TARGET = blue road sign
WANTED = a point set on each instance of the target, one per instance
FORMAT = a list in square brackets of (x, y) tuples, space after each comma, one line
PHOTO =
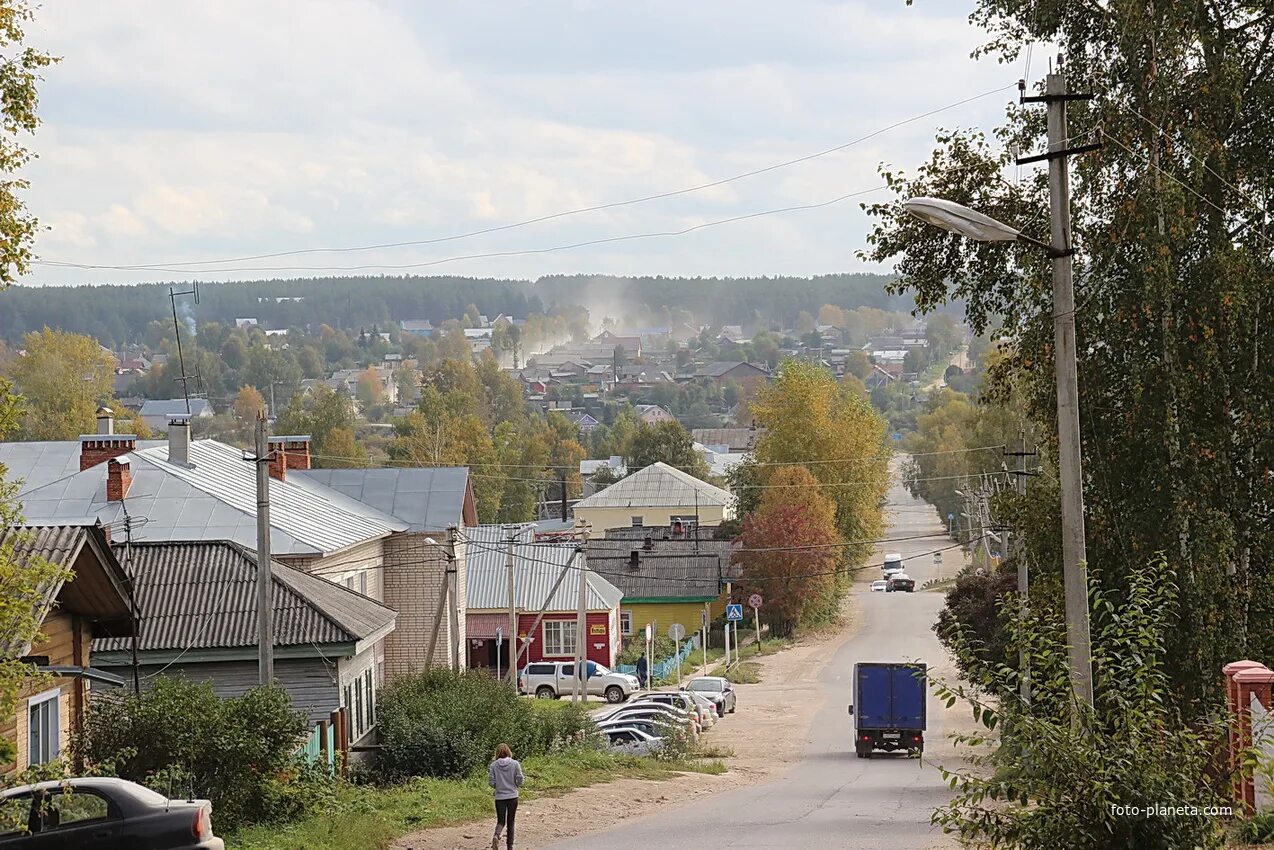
[(950, 517), (734, 611)]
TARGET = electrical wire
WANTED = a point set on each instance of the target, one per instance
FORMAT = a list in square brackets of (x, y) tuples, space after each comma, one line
[(658, 234), (551, 216)]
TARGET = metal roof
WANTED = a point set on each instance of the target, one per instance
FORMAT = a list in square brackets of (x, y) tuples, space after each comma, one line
[(203, 595), (536, 566), (427, 499), (674, 569), (724, 367), (174, 406), (214, 498), (658, 485), (45, 461)]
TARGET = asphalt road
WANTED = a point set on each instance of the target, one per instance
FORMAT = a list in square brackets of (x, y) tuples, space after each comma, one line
[(831, 799)]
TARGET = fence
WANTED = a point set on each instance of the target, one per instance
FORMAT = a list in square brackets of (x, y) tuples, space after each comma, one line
[(667, 667), (325, 741), (1249, 694)]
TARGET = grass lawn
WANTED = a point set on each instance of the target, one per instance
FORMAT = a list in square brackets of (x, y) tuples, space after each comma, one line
[(369, 818)]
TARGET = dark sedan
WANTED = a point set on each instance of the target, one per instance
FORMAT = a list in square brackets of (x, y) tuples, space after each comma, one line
[(99, 813)]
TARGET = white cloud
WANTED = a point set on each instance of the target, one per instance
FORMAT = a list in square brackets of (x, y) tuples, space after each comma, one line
[(182, 131)]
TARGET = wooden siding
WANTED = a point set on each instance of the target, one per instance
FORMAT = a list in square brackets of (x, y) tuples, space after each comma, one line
[(66, 641), (309, 681)]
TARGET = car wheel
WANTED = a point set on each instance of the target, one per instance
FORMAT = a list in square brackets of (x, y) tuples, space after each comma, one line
[(614, 694), (733, 706), (545, 692)]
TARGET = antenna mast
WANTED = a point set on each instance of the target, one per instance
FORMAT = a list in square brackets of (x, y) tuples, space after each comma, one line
[(185, 379)]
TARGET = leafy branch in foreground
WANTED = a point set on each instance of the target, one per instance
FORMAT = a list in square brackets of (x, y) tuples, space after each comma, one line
[(1127, 773)]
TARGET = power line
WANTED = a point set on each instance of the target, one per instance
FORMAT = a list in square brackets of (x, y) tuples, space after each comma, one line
[(552, 216), (482, 256)]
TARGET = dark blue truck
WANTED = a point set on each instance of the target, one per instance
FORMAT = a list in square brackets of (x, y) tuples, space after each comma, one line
[(888, 708)]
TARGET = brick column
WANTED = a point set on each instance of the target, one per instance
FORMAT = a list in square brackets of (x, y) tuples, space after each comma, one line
[(1251, 681), (1235, 746)]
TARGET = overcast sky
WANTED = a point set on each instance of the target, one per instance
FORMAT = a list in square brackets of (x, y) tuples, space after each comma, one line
[(181, 131)]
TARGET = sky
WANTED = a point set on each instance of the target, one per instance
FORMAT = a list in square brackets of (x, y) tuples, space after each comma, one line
[(182, 132)]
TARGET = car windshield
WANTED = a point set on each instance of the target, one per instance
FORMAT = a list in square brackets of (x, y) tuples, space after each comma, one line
[(598, 670), (704, 685)]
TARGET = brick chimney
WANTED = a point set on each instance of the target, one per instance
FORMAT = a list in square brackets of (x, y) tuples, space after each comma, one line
[(119, 477), (289, 453), (99, 448)]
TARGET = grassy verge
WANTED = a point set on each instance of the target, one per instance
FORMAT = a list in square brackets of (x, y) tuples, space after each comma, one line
[(746, 673), (716, 654), (369, 818)]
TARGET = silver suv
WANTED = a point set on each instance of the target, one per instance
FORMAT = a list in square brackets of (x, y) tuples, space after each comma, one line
[(554, 679)]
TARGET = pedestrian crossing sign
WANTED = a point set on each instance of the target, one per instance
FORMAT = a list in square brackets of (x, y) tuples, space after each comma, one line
[(734, 611)]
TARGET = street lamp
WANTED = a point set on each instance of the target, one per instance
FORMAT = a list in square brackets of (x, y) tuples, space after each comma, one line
[(958, 218)]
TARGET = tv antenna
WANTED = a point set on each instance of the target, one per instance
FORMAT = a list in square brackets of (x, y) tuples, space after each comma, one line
[(185, 379)]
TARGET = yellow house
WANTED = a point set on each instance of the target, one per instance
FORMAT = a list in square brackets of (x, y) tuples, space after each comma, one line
[(658, 495), (665, 578)]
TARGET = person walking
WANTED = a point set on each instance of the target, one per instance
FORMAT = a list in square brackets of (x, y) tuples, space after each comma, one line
[(506, 777), (641, 671)]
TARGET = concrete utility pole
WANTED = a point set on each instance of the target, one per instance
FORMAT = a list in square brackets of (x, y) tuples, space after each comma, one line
[(1074, 556), (265, 582), (453, 591), (513, 612), (1023, 568), (579, 686)]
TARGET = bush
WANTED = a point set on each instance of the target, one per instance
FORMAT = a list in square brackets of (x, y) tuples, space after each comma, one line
[(665, 647), (180, 738), (444, 724)]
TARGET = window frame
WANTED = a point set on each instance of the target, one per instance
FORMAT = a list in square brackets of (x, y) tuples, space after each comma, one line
[(564, 639), (40, 702), (626, 615), (638, 521)]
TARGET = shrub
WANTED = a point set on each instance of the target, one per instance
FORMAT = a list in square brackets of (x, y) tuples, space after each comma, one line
[(180, 738), (444, 724), (665, 647)]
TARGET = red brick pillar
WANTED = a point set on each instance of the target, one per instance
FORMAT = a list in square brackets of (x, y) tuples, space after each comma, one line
[(1256, 681), (1232, 725)]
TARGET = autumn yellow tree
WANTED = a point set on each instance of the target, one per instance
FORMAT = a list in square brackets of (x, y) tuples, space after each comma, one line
[(811, 419), (64, 378)]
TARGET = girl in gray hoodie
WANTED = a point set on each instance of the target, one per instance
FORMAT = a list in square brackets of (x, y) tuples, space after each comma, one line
[(505, 776)]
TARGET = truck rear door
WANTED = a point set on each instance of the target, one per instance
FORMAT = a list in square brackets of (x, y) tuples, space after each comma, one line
[(908, 698)]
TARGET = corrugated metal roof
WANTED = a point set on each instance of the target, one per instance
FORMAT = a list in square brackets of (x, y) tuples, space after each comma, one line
[(427, 499), (204, 596), (675, 568), (175, 407), (44, 461), (658, 485), (536, 567), (214, 499)]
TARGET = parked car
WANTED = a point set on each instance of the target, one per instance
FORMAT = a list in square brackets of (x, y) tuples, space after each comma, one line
[(100, 813), (717, 689), (879, 585), (552, 679), (655, 713), (707, 708), (892, 564), (633, 740), (901, 582), (707, 715)]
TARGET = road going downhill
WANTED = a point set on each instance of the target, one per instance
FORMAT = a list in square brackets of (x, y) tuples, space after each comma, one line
[(831, 799)]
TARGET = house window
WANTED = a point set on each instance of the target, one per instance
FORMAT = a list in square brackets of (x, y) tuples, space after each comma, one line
[(625, 623), (42, 728), (559, 637), (362, 582), (638, 521)]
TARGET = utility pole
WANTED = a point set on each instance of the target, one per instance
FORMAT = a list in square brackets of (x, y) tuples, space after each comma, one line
[(1023, 569), (729, 597), (579, 687), (265, 582), (1074, 556), (562, 479), (453, 592), (513, 613)]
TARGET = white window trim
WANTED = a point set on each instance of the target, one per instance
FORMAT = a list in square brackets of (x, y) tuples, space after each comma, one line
[(626, 614), (44, 697), (33, 702), (567, 652)]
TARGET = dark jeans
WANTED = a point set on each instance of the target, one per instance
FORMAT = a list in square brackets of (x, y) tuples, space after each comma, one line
[(505, 812)]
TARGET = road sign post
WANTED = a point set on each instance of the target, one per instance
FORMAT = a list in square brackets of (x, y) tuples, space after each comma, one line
[(755, 602), (733, 614), (499, 648), (703, 618)]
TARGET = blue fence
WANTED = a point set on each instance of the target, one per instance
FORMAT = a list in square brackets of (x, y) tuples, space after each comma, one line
[(314, 750), (668, 666)]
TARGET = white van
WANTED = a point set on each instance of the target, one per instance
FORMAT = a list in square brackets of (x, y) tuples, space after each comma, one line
[(893, 564)]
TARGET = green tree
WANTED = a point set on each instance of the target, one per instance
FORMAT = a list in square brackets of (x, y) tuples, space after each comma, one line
[(858, 364), (665, 442), (1174, 390), (328, 417), (64, 379)]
